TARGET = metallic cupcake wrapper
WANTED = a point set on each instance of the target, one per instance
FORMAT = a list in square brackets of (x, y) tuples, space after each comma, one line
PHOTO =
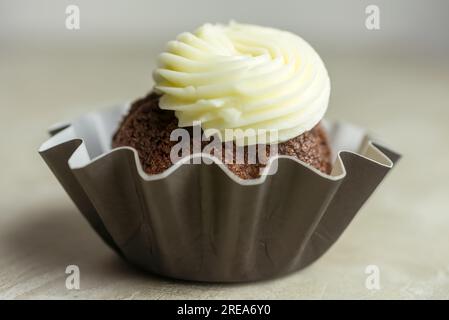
[(201, 222)]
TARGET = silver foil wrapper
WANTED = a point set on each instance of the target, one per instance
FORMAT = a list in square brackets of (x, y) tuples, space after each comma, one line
[(200, 221)]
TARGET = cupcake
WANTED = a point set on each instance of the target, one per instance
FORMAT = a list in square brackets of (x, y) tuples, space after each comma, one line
[(226, 170), (233, 77)]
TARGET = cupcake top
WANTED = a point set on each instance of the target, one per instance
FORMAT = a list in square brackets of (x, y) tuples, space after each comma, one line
[(241, 76)]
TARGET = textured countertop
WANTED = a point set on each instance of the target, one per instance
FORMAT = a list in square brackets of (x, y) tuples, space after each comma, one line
[(403, 229)]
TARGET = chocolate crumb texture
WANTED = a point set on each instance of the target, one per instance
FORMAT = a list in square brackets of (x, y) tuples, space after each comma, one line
[(147, 129)]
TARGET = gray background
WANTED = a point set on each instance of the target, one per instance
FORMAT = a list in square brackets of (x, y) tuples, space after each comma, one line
[(417, 26), (393, 81)]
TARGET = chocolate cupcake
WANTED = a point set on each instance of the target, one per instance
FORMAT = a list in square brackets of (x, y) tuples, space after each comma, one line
[(246, 104), (233, 77)]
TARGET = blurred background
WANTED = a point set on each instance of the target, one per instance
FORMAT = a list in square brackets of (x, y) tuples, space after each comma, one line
[(394, 81)]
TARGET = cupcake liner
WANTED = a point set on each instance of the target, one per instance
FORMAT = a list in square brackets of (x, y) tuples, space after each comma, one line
[(200, 221)]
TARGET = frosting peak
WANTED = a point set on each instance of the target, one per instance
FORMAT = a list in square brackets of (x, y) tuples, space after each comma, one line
[(241, 76)]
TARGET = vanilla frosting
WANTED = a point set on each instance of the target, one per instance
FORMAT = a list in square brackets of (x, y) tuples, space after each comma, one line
[(241, 76)]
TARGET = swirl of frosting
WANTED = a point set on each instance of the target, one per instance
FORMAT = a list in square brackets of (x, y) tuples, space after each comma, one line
[(241, 76)]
